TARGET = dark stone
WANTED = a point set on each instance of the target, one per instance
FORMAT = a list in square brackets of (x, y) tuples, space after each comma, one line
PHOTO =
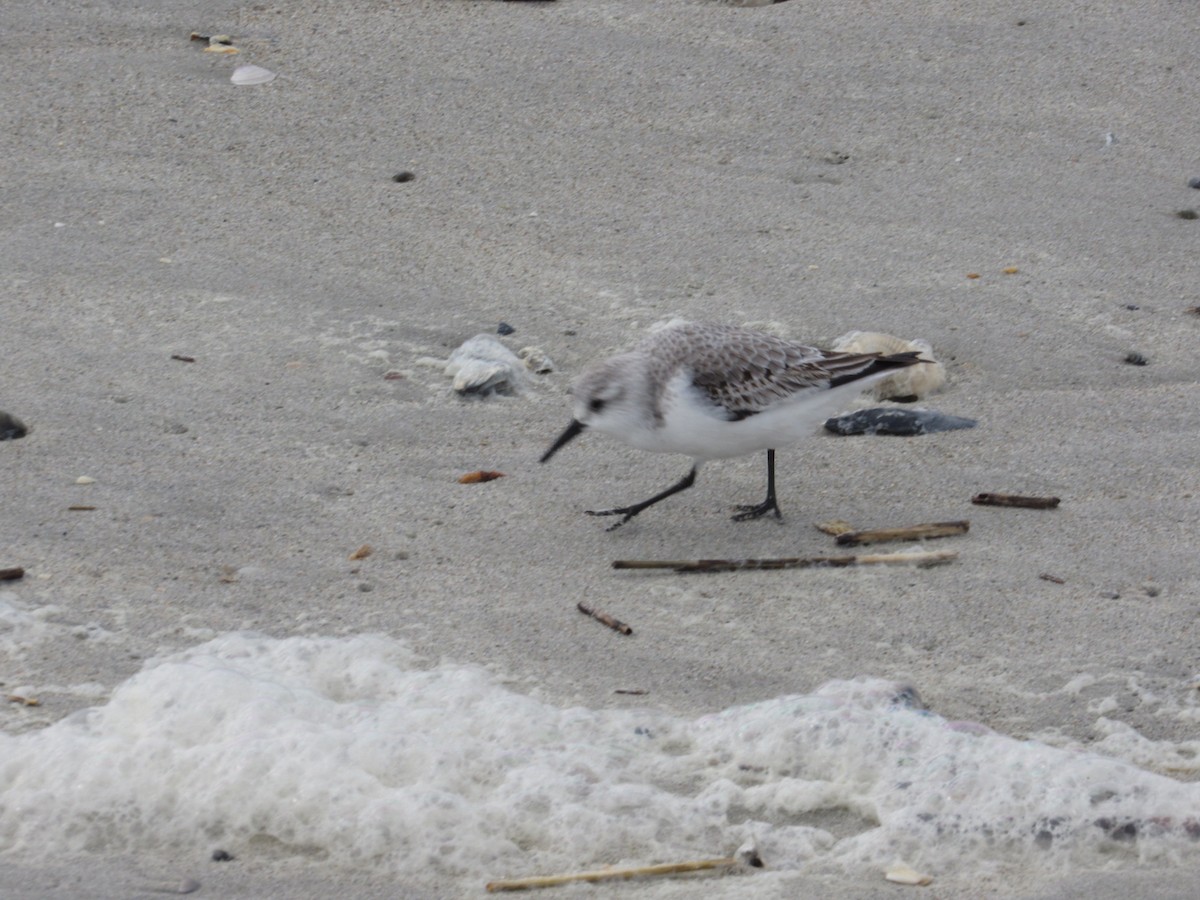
[(222, 856), (1136, 359), (11, 427), (402, 177), (504, 329), (904, 422)]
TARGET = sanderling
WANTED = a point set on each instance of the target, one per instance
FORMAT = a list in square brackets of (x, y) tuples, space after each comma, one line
[(713, 392)]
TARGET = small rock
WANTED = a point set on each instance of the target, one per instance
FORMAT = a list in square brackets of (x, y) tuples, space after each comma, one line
[(1151, 589), (1136, 359), (504, 329), (402, 177), (904, 422), (85, 479), (1188, 214), (11, 427), (222, 856), (1194, 182)]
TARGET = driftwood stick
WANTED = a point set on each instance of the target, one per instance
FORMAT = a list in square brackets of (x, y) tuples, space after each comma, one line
[(520, 884), (11, 573), (906, 533), (923, 559), (1015, 500), (614, 624)]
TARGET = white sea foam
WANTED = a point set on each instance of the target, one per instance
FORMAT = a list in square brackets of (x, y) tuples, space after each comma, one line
[(352, 750)]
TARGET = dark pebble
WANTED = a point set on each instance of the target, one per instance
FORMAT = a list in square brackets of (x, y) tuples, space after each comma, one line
[(905, 422), (504, 328), (1194, 183), (1136, 359), (1188, 214), (11, 427), (222, 856), (1132, 306), (402, 177)]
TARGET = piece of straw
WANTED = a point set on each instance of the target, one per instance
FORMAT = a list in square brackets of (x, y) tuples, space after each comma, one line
[(539, 881), (905, 533)]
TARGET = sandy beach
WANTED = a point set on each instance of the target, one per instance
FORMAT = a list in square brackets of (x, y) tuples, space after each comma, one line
[(225, 318)]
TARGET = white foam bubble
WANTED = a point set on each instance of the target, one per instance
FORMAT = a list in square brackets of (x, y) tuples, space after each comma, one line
[(352, 750)]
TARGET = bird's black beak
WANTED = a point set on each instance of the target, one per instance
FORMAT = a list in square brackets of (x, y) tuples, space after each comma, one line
[(572, 430)]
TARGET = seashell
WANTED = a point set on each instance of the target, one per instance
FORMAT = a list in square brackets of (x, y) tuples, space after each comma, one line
[(479, 477), (85, 479), (902, 874), (484, 366), (244, 75), (912, 383), (536, 360)]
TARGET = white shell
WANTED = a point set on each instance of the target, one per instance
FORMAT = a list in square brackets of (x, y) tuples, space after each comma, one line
[(902, 874), (536, 360), (484, 366), (251, 75), (915, 381)]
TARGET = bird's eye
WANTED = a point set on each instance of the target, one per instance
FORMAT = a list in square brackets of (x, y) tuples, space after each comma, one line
[(596, 404)]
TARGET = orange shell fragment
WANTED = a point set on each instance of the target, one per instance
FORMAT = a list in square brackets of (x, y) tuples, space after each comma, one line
[(479, 477)]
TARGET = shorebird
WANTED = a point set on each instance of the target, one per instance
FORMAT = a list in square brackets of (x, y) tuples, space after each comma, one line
[(715, 391)]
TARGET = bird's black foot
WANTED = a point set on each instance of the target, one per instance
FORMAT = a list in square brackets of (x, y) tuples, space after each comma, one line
[(626, 513), (758, 510)]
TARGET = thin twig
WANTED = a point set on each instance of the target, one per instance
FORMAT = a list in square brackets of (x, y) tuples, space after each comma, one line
[(923, 559), (520, 884), (614, 624), (1015, 500), (906, 533)]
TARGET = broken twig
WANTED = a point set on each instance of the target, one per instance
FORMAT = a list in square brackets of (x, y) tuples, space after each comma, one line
[(1046, 576), (1015, 500), (614, 624), (922, 559), (906, 533), (12, 573), (697, 865)]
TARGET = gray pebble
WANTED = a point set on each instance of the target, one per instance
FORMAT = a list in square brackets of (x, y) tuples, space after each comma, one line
[(504, 329), (1194, 182)]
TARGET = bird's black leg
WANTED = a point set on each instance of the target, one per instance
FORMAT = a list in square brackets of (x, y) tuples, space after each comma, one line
[(628, 512), (768, 505)]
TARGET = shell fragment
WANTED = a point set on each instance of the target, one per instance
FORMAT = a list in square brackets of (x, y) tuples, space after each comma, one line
[(902, 874), (244, 75)]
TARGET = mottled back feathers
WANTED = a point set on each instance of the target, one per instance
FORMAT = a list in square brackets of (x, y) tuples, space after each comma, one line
[(745, 372)]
